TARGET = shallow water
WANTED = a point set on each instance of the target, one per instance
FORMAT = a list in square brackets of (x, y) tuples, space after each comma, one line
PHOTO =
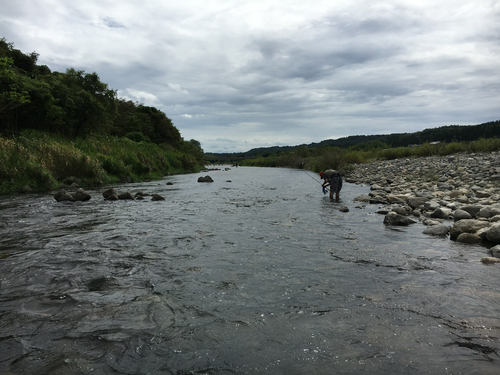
[(257, 272)]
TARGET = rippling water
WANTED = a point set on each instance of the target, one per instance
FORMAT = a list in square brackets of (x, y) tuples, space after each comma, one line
[(257, 272)]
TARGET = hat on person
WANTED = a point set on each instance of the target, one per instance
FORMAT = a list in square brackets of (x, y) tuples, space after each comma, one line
[(321, 174)]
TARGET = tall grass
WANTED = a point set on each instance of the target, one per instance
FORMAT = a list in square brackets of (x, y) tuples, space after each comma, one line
[(42, 161)]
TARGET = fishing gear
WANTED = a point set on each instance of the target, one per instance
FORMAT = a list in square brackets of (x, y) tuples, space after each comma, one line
[(325, 190)]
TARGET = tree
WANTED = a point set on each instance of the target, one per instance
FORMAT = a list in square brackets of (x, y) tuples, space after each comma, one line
[(13, 93)]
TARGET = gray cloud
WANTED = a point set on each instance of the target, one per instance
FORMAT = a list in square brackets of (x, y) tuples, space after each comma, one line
[(236, 75)]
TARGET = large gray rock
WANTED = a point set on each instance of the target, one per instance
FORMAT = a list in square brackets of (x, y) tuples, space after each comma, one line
[(490, 260), (107, 193), (127, 195), (405, 211), (441, 213), (493, 233), (467, 226), (472, 209), (431, 205), (461, 215), (495, 251), (488, 211), (63, 196), (469, 238), (392, 218), (415, 202), (395, 198), (205, 179), (437, 230), (81, 195)]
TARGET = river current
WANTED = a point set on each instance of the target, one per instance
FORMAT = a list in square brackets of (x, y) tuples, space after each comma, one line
[(255, 273)]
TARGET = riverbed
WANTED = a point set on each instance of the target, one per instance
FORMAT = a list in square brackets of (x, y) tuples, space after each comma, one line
[(255, 273)]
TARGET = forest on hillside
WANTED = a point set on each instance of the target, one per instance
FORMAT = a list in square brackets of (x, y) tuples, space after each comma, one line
[(449, 133), (75, 104), (62, 128)]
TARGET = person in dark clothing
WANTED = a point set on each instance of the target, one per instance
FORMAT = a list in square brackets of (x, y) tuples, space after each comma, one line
[(334, 180)]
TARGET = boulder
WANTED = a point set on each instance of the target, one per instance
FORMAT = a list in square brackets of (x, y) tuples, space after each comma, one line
[(394, 198), (495, 251), (493, 233), (490, 260), (384, 210), (392, 218), (401, 210), (63, 196), (461, 215), (482, 194), (430, 222), (344, 209), (472, 209), (205, 179), (488, 211), (466, 226), (437, 230), (441, 213), (81, 195), (157, 197), (127, 195), (456, 193), (415, 202), (378, 196), (431, 205), (108, 193), (112, 197), (469, 238)]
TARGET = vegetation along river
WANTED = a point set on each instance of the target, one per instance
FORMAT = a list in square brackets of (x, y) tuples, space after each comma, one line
[(257, 272)]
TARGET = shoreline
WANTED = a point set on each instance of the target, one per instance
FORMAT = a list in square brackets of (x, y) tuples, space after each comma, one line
[(434, 190)]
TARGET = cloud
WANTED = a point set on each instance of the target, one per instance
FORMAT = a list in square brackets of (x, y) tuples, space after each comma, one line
[(235, 75), (138, 96)]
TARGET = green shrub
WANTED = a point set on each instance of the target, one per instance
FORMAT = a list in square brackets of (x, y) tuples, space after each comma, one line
[(42, 161)]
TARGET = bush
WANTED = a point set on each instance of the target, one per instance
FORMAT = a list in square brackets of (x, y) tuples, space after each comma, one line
[(43, 161)]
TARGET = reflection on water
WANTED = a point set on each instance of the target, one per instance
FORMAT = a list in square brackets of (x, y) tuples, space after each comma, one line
[(257, 272)]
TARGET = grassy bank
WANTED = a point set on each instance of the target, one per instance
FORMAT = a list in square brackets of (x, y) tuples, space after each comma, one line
[(345, 159), (42, 162)]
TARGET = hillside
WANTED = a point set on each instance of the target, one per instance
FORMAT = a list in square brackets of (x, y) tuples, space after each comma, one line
[(448, 133)]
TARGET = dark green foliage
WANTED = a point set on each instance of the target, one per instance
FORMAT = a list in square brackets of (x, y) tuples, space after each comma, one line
[(43, 161), (73, 104), (59, 125), (137, 137)]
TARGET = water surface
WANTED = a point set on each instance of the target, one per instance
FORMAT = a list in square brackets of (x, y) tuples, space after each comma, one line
[(257, 272)]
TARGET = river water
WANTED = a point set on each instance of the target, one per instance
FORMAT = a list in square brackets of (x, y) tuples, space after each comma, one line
[(255, 273)]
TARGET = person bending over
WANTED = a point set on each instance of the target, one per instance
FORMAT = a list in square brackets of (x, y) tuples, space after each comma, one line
[(334, 180)]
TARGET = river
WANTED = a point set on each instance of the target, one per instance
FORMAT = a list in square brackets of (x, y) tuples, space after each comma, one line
[(255, 273)]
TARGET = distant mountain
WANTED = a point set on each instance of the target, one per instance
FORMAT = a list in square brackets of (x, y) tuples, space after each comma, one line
[(448, 133)]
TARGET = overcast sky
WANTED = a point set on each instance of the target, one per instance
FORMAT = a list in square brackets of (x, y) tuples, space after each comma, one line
[(240, 74)]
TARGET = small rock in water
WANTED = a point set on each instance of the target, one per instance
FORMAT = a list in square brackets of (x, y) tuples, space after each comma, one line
[(107, 193), (393, 218), (437, 230), (127, 195), (490, 260)]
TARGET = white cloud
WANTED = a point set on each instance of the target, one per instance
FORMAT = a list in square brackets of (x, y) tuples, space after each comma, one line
[(142, 97)]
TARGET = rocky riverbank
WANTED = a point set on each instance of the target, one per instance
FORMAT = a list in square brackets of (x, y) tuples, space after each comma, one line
[(456, 195)]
